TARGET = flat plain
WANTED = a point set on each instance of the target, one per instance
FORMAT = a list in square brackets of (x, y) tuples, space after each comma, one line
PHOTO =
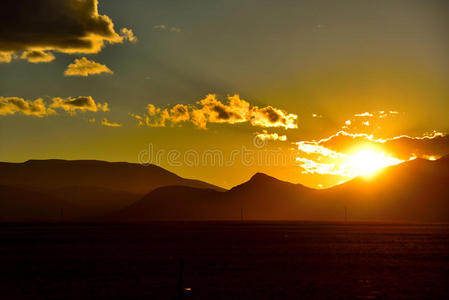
[(224, 260)]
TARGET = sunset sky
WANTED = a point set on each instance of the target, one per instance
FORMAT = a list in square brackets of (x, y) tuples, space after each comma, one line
[(311, 90)]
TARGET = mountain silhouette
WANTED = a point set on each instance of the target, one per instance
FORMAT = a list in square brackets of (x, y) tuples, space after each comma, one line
[(54, 173), (417, 190), (261, 197), (88, 189), (52, 190), (414, 191)]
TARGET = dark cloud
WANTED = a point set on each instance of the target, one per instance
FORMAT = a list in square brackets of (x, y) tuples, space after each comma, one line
[(432, 146), (68, 26)]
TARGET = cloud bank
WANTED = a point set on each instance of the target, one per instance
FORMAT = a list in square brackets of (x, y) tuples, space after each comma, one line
[(330, 155), (403, 147), (212, 110)]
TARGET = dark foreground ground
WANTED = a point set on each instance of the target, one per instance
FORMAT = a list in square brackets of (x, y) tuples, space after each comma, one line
[(224, 261)]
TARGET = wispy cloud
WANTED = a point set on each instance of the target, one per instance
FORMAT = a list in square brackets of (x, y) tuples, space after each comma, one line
[(266, 136), (379, 114), (163, 27), (368, 119), (314, 167), (106, 123), (365, 114)]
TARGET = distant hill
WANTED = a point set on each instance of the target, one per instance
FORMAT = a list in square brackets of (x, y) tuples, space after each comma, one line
[(28, 205), (178, 203), (95, 201), (262, 197), (128, 177), (415, 191), (78, 190)]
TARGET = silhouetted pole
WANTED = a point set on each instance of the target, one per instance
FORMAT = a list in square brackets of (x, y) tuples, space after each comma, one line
[(181, 278)]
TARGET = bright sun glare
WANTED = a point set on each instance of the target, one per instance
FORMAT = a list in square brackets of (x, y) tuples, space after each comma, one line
[(367, 161)]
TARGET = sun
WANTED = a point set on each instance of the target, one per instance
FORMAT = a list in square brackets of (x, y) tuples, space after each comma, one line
[(367, 161)]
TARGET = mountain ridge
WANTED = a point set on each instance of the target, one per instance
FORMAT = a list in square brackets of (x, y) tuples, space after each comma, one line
[(264, 197), (55, 173), (413, 191)]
